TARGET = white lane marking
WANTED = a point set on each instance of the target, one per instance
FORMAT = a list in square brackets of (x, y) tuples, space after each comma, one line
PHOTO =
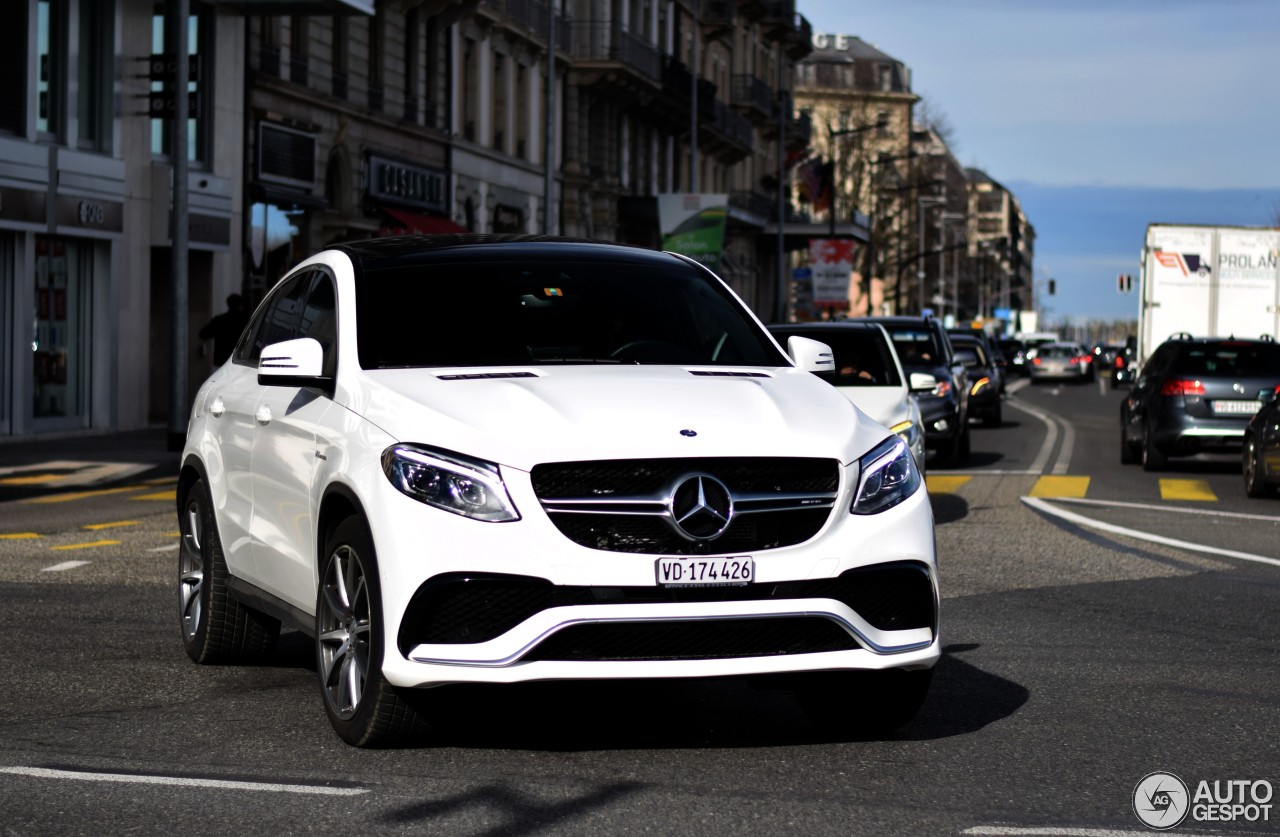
[(219, 784), (1050, 439), (64, 566), (1179, 509), (1063, 462), (170, 548), (1081, 520), (1050, 831)]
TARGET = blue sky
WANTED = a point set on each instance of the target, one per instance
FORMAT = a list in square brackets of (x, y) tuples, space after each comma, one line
[(1101, 115)]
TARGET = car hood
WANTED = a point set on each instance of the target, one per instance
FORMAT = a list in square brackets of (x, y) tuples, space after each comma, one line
[(886, 405), (568, 413)]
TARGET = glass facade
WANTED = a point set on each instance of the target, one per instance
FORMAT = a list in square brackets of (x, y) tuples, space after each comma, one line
[(60, 342)]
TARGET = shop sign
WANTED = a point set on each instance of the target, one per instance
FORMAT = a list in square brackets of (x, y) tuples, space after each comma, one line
[(22, 205), (406, 184), (89, 213)]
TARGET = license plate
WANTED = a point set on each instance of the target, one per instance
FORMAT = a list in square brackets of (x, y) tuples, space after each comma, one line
[(705, 572), (1246, 408)]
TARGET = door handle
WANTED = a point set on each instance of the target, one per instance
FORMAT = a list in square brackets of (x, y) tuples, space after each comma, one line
[(262, 415), (217, 408)]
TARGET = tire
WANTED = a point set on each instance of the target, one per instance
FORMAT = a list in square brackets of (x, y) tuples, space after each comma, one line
[(1128, 453), (996, 418), (1255, 482), (962, 447), (1153, 459), (215, 627), (863, 704), (365, 710)]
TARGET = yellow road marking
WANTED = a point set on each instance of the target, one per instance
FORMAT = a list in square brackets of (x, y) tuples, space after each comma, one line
[(80, 495), (1186, 490), (33, 479), (943, 484), (163, 481), (18, 536), (84, 545), (173, 534), (117, 525), (163, 495), (1059, 486)]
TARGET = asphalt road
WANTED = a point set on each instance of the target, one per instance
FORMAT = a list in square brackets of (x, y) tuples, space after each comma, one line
[(1078, 660)]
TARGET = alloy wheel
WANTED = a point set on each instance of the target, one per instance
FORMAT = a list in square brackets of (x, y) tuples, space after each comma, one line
[(344, 632), (191, 569)]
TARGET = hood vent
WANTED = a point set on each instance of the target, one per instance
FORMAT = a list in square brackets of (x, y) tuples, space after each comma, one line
[(474, 376), (727, 373)]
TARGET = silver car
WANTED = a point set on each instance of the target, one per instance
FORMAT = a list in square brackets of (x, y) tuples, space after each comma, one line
[(1059, 362)]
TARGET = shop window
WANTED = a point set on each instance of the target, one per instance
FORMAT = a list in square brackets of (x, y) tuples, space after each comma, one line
[(60, 343), (199, 43)]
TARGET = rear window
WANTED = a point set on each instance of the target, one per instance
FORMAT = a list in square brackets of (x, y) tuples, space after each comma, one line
[(862, 357), (553, 311), (1230, 359), (1052, 351), (917, 346)]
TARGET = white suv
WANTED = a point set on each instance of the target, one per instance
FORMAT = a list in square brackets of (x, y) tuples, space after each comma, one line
[(466, 460)]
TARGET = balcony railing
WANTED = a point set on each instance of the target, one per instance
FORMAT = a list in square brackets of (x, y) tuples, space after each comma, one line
[(754, 203), (752, 93), (606, 42), (717, 15), (532, 15), (733, 126), (800, 42)]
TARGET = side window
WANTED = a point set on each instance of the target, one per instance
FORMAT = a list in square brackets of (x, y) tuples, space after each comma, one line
[(276, 321), (320, 319)]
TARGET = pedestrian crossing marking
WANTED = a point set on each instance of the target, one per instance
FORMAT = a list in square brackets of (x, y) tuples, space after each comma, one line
[(80, 495), (1060, 486), (18, 536), (1186, 490), (944, 483), (89, 545), (93, 527), (163, 495)]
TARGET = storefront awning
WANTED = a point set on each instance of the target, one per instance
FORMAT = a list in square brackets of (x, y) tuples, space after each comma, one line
[(413, 222)]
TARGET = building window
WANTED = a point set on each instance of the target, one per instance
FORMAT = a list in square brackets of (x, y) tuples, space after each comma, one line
[(412, 65), (470, 86), (269, 46), (885, 76), (501, 97), (95, 76), (199, 42), (13, 69), (341, 56), (523, 93), (48, 76), (299, 49), (377, 91)]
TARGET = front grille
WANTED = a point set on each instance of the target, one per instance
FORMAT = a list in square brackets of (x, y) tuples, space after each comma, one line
[(718, 639), (457, 608), (625, 505), (748, 475)]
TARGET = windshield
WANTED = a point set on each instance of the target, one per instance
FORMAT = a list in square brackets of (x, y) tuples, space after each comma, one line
[(917, 347), (557, 311)]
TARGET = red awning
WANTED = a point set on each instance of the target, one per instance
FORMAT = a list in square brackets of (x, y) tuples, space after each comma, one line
[(412, 222)]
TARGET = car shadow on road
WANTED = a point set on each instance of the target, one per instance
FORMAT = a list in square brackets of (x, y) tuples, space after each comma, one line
[(948, 508)]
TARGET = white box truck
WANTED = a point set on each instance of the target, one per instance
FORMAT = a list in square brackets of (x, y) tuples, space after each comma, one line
[(1208, 281)]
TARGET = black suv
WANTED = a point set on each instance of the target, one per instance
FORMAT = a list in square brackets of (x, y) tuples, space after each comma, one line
[(1196, 394), (925, 349)]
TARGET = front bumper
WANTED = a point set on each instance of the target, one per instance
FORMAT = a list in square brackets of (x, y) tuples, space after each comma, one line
[(700, 634)]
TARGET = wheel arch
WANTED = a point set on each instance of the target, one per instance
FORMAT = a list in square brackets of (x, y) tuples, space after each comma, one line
[(192, 470), (339, 502)]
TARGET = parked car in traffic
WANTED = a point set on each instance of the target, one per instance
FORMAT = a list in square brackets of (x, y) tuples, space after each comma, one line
[(924, 348), (486, 459), (984, 391), (1194, 395), (1262, 448), (868, 373), (1059, 362), (1015, 352), (998, 365)]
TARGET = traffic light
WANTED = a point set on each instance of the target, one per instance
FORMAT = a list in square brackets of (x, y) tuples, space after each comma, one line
[(1053, 287), (1124, 283)]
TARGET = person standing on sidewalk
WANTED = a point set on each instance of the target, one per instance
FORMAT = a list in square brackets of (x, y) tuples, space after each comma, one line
[(224, 329)]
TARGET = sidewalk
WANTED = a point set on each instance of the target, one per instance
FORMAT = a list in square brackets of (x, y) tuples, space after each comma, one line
[(34, 465)]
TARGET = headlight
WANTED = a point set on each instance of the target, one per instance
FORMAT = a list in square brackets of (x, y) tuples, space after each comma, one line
[(906, 431), (886, 476), (468, 487)]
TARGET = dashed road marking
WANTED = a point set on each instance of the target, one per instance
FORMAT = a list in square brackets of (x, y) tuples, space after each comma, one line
[(1171, 489), (163, 495), (80, 495), (18, 536), (119, 524), (945, 483), (182, 781), (32, 479), (64, 566), (170, 548), (1059, 486), (90, 545)]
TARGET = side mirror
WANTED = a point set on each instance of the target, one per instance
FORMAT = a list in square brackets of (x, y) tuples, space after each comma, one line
[(923, 382), (293, 363), (810, 355)]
